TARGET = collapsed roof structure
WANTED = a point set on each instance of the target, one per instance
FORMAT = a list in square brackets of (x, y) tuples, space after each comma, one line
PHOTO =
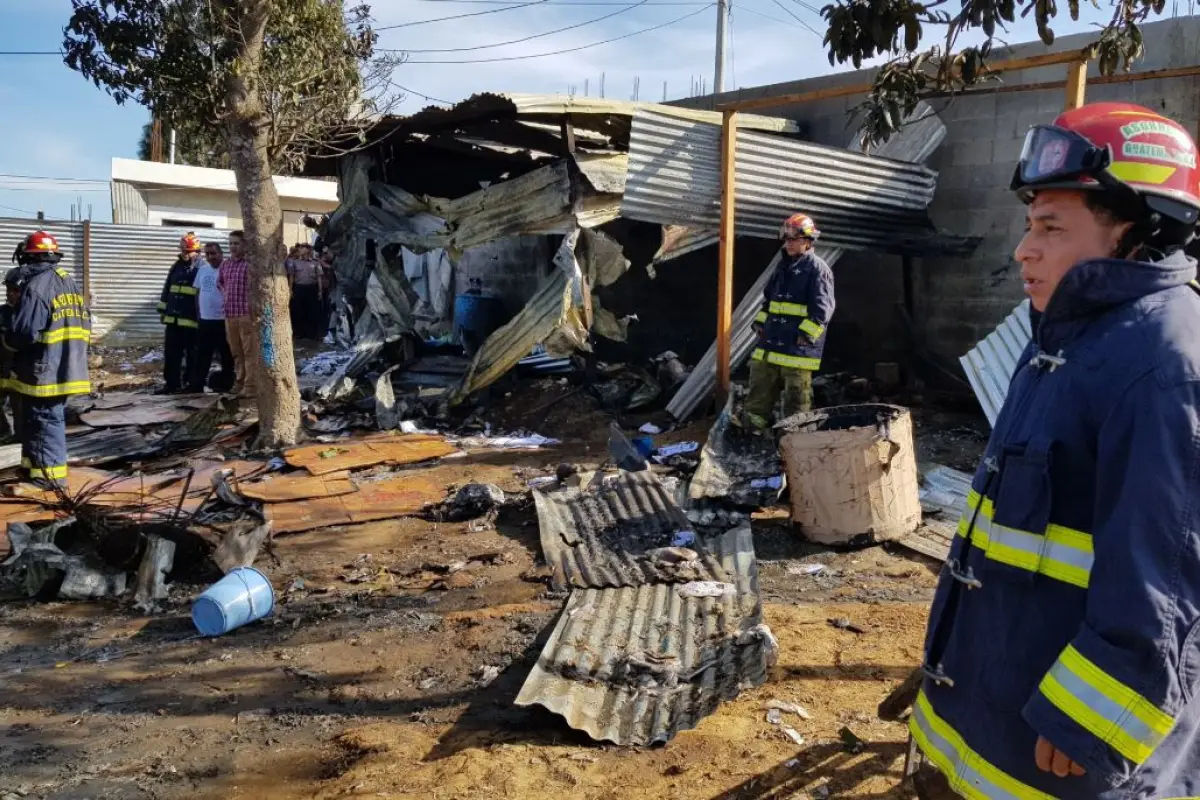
[(424, 189)]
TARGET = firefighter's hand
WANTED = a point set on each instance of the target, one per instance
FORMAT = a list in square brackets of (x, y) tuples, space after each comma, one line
[(1050, 759), (803, 340)]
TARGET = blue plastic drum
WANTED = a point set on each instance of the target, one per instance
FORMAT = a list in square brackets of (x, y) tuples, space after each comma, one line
[(242, 596)]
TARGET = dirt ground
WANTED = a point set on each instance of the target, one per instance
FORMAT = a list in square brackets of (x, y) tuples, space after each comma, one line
[(368, 679)]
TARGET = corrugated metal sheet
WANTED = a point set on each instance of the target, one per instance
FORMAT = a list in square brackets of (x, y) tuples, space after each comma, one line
[(600, 538), (859, 201), (104, 446), (604, 171), (128, 266), (991, 364), (70, 241), (944, 490), (598, 115), (637, 665), (916, 142), (129, 204)]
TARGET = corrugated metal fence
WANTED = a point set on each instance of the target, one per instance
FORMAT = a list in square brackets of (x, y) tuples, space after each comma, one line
[(122, 267)]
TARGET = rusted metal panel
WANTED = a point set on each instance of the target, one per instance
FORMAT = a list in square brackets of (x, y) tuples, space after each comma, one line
[(297, 486), (322, 459), (637, 665), (992, 362), (605, 537), (386, 499)]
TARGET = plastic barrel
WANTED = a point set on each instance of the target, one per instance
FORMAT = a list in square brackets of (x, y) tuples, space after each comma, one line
[(476, 316), (242, 596)]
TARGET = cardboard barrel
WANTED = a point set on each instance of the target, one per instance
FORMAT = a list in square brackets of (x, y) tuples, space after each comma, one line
[(852, 473)]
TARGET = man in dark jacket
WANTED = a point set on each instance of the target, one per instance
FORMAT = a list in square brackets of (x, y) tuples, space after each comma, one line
[(180, 314), (797, 306), (48, 339), (1062, 658)]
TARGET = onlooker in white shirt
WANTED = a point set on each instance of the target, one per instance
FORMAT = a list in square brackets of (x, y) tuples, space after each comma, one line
[(211, 338)]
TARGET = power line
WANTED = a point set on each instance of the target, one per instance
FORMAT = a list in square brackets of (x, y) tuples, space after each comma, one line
[(526, 38), (808, 7), (569, 49), (582, 3), (418, 94), (48, 178), (794, 16), (460, 16), (776, 20), (30, 52), (18, 210)]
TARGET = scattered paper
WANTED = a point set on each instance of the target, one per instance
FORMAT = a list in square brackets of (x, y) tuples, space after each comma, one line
[(650, 428), (683, 539), (806, 569), (774, 482), (707, 589), (788, 708), (666, 451), (532, 441), (792, 734)]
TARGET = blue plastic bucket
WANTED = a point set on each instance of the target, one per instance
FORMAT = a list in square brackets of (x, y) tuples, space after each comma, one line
[(242, 596), (644, 445)]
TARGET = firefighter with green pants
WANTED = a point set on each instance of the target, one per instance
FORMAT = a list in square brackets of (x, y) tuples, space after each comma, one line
[(797, 307)]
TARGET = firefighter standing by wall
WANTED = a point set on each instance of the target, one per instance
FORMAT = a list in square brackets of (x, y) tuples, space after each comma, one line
[(797, 307), (181, 316), (1063, 652), (48, 338)]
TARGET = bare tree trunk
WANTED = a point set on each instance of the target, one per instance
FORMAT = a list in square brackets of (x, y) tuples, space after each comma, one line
[(272, 375)]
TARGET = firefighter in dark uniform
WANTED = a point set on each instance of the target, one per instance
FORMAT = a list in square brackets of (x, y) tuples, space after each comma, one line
[(180, 313), (48, 340)]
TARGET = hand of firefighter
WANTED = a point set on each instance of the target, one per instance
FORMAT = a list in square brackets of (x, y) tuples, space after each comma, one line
[(1050, 759), (803, 340)]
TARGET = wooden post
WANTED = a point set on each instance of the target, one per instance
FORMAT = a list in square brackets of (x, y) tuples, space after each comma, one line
[(1076, 84), (725, 264), (87, 260)]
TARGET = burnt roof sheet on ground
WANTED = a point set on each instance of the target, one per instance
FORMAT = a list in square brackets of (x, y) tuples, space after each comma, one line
[(605, 537), (636, 665)]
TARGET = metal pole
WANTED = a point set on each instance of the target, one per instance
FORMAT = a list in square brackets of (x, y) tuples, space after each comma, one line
[(719, 72), (171, 157)]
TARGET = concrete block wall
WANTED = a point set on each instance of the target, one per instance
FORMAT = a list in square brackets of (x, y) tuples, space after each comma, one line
[(959, 300), (511, 269)]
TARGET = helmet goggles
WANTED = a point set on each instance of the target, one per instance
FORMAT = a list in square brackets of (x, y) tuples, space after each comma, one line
[(1053, 156)]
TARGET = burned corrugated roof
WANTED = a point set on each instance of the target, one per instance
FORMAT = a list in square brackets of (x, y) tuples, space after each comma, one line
[(604, 121), (991, 363), (858, 201), (107, 445), (606, 537), (635, 666)]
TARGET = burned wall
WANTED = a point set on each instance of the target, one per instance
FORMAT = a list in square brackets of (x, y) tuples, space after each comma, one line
[(677, 309), (510, 269)]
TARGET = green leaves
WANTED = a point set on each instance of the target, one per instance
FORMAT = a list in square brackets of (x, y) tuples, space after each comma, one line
[(859, 30), (178, 56)]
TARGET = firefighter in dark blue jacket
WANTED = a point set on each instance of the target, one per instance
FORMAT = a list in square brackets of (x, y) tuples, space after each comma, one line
[(1063, 652), (48, 340), (180, 313), (797, 306)]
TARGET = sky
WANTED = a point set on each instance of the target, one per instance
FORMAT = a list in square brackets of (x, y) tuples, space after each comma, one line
[(59, 132)]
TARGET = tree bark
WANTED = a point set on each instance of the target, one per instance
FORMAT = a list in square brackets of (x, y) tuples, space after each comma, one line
[(272, 374)]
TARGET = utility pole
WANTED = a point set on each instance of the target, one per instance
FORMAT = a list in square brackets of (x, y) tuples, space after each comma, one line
[(719, 72)]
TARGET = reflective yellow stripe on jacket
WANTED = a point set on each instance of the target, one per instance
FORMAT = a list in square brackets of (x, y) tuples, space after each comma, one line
[(1105, 707), (812, 329), (787, 309), (782, 360), (1059, 552), (48, 390), (64, 334), (177, 289), (969, 775)]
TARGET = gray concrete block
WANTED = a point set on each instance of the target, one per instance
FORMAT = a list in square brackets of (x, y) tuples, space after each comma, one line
[(1007, 150), (977, 106), (971, 153)]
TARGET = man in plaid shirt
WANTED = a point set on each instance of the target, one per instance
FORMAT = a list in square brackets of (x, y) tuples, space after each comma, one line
[(233, 281)]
